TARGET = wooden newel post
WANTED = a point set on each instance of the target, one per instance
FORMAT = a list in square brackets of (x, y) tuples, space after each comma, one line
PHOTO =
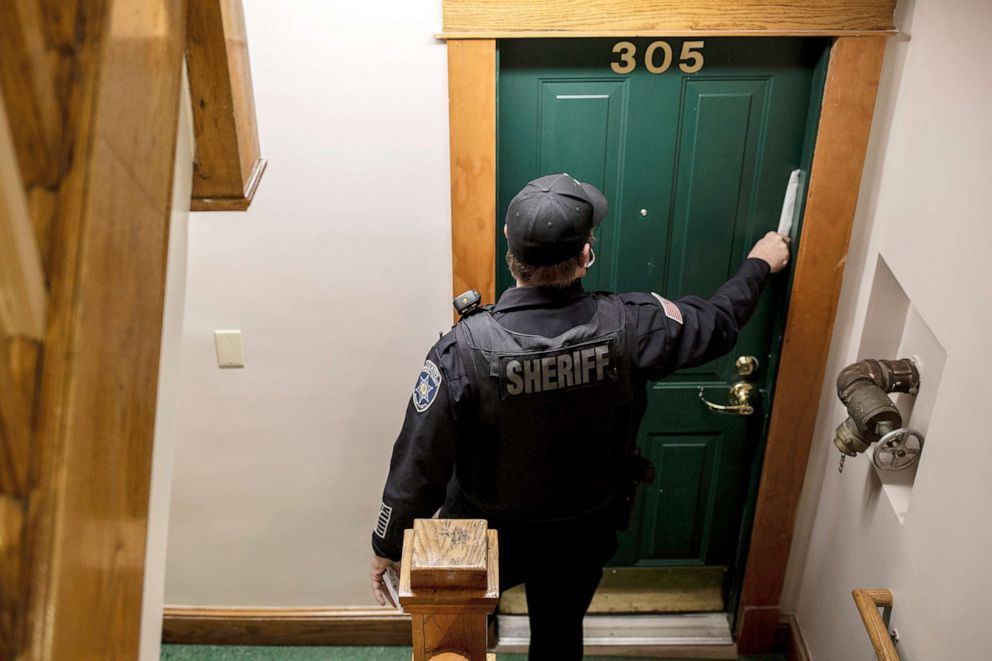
[(449, 583)]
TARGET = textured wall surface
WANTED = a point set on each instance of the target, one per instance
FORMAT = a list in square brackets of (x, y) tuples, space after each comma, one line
[(339, 277), (923, 211)]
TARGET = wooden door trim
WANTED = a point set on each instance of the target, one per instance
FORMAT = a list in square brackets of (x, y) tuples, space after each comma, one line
[(835, 180), (626, 34), (639, 17), (472, 132), (845, 120)]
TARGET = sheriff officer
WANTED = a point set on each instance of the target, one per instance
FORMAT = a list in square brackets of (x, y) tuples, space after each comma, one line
[(525, 414)]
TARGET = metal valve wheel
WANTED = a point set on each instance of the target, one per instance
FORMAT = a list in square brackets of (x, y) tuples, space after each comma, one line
[(898, 450)]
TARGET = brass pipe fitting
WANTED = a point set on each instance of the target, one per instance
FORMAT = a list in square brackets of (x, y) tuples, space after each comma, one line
[(889, 375), (863, 388)]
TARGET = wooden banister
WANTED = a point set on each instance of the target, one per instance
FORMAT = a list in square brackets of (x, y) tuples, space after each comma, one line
[(228, 165), (868, 602), (23, 296), (449, 583)]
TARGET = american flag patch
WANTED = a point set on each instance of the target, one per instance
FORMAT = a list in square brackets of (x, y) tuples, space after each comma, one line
[(671, 310), (385, 512)]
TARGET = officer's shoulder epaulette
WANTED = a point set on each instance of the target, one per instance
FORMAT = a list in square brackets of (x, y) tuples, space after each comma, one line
[(446, 351), (638, 298), (444, 338)]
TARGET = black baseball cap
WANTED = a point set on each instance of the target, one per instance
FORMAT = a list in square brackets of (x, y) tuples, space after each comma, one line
[(550, 219)]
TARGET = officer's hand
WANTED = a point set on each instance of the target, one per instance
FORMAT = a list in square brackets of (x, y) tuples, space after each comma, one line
[(379, 567), (774, 249)]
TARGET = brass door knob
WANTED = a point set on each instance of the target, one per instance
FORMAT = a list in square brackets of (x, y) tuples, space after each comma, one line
[(740, 397), (746, 365)]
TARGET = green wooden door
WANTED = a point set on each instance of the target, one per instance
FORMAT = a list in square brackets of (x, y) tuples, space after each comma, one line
[(695, 167)]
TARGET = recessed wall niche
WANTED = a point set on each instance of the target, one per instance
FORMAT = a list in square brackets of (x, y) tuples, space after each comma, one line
[(894, 328)]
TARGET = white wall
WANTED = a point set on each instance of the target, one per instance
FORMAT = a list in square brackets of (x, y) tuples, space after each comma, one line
[(924, 209), (339, 277), (166, 413)]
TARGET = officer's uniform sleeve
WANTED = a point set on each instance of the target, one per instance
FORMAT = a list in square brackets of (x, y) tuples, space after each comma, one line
[(693, 330), (424, 453)]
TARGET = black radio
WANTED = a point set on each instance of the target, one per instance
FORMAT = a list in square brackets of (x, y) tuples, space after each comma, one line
[(467, 302)]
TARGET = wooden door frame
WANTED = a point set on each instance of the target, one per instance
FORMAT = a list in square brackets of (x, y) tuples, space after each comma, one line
[(471, 29)]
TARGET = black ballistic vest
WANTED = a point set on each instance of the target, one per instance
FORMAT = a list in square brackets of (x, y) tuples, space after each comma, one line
[(557, 416)]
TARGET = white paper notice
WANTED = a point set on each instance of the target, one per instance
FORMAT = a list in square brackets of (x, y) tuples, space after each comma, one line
[(392, 581), (789, 204)]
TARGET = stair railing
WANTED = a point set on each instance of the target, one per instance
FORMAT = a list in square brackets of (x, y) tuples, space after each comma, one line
[(449, 584), (868, 602)]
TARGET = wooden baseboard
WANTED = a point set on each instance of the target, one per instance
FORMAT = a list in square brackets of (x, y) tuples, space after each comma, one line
[(192, 625), (789, 639)]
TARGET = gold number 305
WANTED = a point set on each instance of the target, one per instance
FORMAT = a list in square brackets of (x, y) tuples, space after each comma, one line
[(626, 51), (690, 58)]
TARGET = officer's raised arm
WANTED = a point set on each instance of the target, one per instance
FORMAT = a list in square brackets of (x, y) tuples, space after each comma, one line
[(693, 330)]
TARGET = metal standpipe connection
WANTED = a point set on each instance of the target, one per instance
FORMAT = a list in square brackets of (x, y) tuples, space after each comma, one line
[(863, 388)]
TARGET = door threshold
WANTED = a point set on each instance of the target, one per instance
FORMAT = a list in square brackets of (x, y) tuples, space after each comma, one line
[(684, 636)]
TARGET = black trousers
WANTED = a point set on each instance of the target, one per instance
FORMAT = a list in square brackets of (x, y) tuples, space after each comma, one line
[(559, 563)]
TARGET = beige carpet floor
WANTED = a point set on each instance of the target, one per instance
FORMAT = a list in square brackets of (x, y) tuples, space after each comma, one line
[(644, 590)]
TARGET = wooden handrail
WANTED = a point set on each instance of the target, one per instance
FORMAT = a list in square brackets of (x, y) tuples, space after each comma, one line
[(868, 602), (228, 165)]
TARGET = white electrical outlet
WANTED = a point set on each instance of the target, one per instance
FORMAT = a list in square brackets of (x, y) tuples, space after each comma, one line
[(229, 350)]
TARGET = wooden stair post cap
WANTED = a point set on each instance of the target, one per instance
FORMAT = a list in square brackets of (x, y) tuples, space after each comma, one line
[(449, 553)]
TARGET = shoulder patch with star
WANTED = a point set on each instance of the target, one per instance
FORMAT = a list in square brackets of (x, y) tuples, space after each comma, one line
[(428, 383)]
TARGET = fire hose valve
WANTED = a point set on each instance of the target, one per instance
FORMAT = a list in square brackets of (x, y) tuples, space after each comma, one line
[(864, 389)]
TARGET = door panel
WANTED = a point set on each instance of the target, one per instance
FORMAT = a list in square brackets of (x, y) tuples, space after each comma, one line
[(683, 484), (694, 167), (702, 461), (596, 110), (718, 163)]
